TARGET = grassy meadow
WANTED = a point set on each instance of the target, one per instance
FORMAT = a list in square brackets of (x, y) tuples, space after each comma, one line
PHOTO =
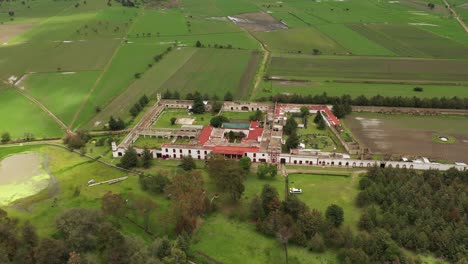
[(18, 116)]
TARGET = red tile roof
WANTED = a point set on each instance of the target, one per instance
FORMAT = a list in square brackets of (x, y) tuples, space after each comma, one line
[(205, 135), (254, 133), (233, 150), (331, 118)]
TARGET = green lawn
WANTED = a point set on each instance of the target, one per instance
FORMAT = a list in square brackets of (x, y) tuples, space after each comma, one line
[(164, 121), (231, 241), (18, 115), (151, 142), (61, 93)]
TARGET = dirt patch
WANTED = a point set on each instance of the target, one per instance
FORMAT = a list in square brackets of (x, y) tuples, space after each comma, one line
[(9, 31), (395, 135), (185, 121), (258, 22)]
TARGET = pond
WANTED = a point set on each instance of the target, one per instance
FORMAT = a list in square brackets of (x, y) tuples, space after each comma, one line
[(21, 175)]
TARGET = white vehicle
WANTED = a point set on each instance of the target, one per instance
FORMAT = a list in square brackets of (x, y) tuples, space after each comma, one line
[(295, 190)]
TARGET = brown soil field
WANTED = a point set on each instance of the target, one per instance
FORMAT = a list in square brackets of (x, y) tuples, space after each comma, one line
[(8, 31), (258, 22), (411, 135)]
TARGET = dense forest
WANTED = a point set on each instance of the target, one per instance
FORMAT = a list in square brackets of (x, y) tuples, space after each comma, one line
[(421, 211)]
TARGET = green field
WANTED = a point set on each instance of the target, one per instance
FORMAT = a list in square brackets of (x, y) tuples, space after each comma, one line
[(369, 68), (303, 40), (411, 41), (61, 93), (232, 68), (18, 116), (357, 89)]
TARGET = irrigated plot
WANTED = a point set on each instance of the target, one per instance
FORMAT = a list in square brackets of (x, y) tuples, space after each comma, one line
[(411, 135), (18, 116), (62, 93), (368, 68)]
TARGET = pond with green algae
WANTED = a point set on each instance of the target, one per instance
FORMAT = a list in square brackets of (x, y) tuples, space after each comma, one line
[(22, 175)]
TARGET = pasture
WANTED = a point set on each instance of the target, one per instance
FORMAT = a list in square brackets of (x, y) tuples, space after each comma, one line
[(18, 116), (369, 68), (62, 93), (411, 135)]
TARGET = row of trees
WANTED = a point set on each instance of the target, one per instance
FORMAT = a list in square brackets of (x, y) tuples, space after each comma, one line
[(131, 160), (421, 211), (138, 106), (378, 100)]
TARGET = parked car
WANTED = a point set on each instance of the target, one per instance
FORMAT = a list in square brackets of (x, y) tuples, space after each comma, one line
[(295, 190)]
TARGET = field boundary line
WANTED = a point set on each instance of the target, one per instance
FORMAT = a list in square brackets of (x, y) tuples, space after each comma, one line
[(104, 71), (40, 105), (457, 17)]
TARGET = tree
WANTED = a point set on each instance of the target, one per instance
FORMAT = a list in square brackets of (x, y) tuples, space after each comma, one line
[(217, 121), (418, 89), (6, 137), (155, 184), (173, 120), (257, 116), (188, 199), (293, 141), (144, 100), (79, 228), (187, 163), (305, 111), (316, 243), (284, 234), (198, 107), (334, 215), (51, 251), (198, 44), (267, 170), (216, 106), (147, 158), (144, 207), (228, 96), (291, 125), (116, 124), (113, 204), (227, 175), (130, 159), (338, 110), (245, 163)]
